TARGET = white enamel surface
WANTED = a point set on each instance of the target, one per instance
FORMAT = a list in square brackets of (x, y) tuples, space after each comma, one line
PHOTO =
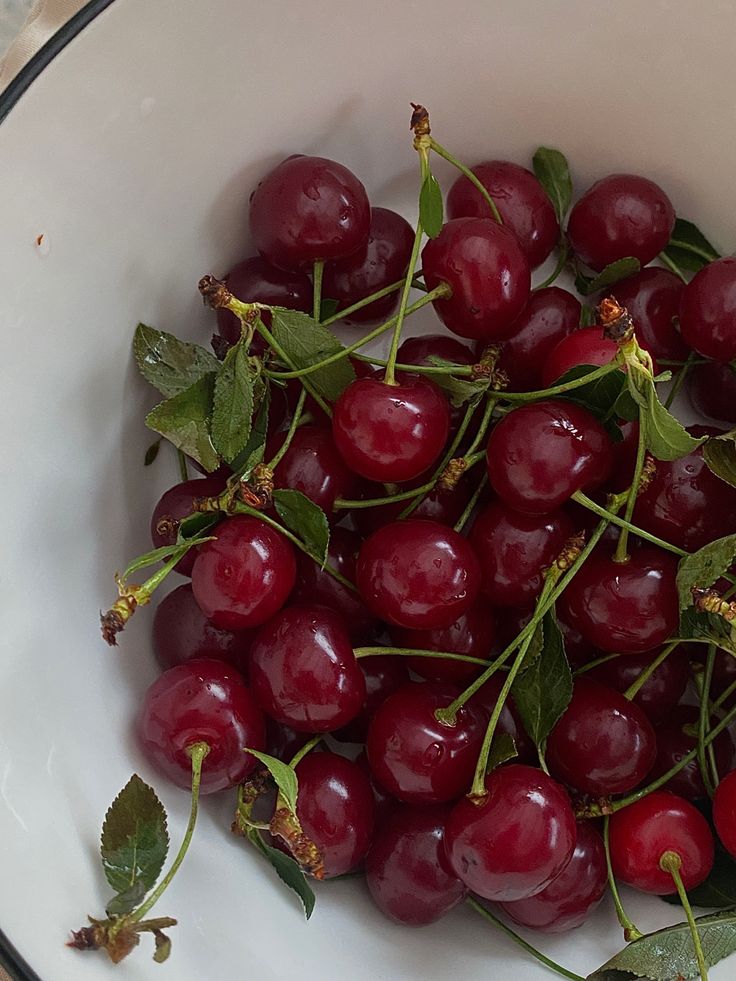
[(133, 155)]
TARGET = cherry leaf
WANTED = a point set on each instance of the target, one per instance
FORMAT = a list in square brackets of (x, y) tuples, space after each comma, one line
[(666, 437), (328, 308), (306, 520), (503, 749), (552, 172), (542, 691), (286, 869), (719, 453), (599, 396), (613, 273), (232, 408), (283, 774), (458, 390), (152, 453), (252, 452), (169, 364), (306, 343), (702, 568), (688, 248), (431, 210), (707, 627), (135, 838), (184, 421)]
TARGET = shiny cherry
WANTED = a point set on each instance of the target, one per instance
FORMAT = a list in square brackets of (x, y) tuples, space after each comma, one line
[(542, 453), (603, 744), (308, 209), (385, 803), (621, 215), (675, 739), (571, 897), (514, 549), (624, 607), (440, 504), (201, 701), (407, 873), (418, 574), (485, 844), (724, 812), (522, 202), (391, 432), (303, 671), (177, 503), (313, 466), (641, 833), (509, 720), (245, 575), (416, 758), (584, 346), (384, 674), (652, 298), (382, 260), (712, 390), (660, 693), (708, 311), (488, 273), (256, 281), (283, 742)]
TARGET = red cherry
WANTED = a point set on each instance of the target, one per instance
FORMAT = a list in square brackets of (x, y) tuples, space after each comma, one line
[(308, 209), (568, 901), (521, 201), (584, 346), (724, 812), (485, 845), (712, 390), (385, 803), (201, 701), (440, 504), (174, 505), (540, 454), (245, 575), (283, 742), (256, 281), (624, 607), (660, 693), (416, 758), (708, 311), (418, 574), (652, 298), (641, 833), (407, 873), (488, 273), (384, 674), (303, 671), (621, 215), (418, 350), (391, 432), (675, 739)]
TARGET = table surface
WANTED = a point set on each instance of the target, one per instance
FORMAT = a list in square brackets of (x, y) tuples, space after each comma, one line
[(12, 17)]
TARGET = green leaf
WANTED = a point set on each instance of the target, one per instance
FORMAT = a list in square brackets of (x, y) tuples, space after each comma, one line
[(688, 248), (183, 420), (194, 526), (162, 554), (553, 173), (328, 308), (252, 452), (232, 408), (626, 407), (588, 316), (704, 567), (306, 520), (719, 453), (708, 627), (599, 396), (126, 902), (151, 453), (666, 437), (306, 343), (286, 869), (669, 954), (163, 947), (283, 774), (170, 365), (543, 690), (458, 390), (503, 749), (135, 838), (613, 273), (430, 206)]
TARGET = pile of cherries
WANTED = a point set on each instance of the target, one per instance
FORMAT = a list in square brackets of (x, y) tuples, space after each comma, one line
[(262, 648)]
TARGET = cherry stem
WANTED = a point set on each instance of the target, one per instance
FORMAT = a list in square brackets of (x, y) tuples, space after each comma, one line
[(663, 257), (183, 472), (342, 503), (622, 548), (681, 376), (378, 295), (470, 506), (542, 958), (421, 369), (419, 652), (706, 754), (293, 426), (483, 427), (279, 351), (563, 387), (318, 270), (635, 687), (602, 512), (197, 753), (724, 696), (666, 363), (306, 748), (672, 863), (467, 172), (603, 659), (630, 931), (560, 265)]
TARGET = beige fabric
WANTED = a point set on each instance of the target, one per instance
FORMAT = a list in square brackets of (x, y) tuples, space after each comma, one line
[(45, 18)]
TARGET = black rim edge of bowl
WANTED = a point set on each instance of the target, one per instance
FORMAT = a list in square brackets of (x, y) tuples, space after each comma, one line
[(10, 959)]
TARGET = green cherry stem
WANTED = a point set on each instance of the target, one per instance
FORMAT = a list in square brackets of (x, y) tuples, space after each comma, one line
[(344, 504), (603, 659), (622, 547), (636, 686), (470, 506), (293, 426), (559, 266), (630, 931), (378, 295), (602, 512), (306, 748), (421, 369), (563, 387), (542, 958), (317, 272), (466, 172), (672, 863), (724, 696), (681, 376), (279, 351), (183, 471), (485, 422), (196, 752), (671, 265), (706, 754), (419, 652)]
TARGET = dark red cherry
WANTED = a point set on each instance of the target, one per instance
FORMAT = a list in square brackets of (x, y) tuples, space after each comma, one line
[(416, 758), (542, 453), (514, 549), (624, 462), (391, 432), (177, 503), (313, 466), (256, 281), (509, 720), (407, 872), (473, 633), (385, 803), (308, 209), (303, 671), (521, 200), (418, 574), (708, 311), (485, 843), (182, 632), (383, 260), (724, 812), (568, 901), (201, 701), (245, 575), (675, 739), (621, 215), (712, 390), (384, 674), (641, 833), (624, 607), (584, 346), (418, 350), (652, 298), (315, 585), (440, 504), (488, 273), (549, 316), (603, 744), (660, 693), (283, 742)]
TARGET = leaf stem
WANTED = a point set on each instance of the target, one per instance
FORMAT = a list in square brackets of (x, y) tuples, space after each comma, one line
[(318, 270), (466, 172), (470, 506), (197, 753), (630, 931), (293, 426), (419, 652), (636, 686), (279, 351), (183, 472), (622, 547), (672, 863), (559, 266)]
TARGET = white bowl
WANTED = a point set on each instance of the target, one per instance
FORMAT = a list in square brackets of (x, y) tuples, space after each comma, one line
[(133, 153)]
